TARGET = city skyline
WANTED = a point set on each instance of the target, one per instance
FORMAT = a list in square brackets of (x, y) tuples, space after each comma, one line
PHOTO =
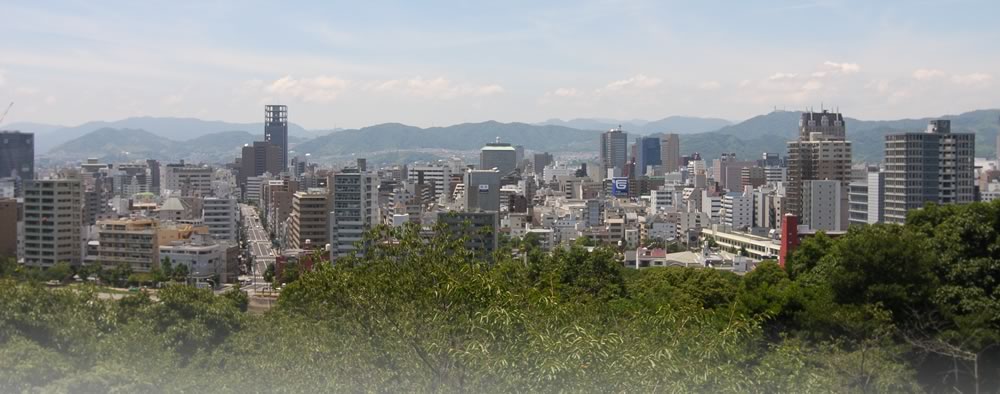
[(66, 63)]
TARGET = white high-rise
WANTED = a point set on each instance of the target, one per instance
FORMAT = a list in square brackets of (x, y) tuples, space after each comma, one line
[(354, 202)]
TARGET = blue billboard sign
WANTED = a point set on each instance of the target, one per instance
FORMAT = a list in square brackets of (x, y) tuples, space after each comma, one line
[(619, 186)]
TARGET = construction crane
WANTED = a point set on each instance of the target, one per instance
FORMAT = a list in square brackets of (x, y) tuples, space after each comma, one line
[(5, 112)]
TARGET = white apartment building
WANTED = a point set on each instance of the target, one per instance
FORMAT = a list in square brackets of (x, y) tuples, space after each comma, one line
[(53, 222)]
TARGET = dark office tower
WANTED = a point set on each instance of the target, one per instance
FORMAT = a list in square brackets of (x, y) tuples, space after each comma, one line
[(154, 176), (276, 129), (540, 161), (647, 151), (257, 159), (17, 155)]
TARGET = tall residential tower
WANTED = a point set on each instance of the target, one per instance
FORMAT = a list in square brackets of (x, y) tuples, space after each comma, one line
[(821, 153), (934, 166)]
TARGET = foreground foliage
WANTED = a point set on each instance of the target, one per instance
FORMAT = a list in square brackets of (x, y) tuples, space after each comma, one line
[(881, 309)]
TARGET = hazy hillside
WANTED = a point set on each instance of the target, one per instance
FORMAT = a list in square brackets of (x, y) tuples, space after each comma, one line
[(467, 136), (673, 124), (110, 144), (177, 129), (394, 142), (116, 144), (769, 133)]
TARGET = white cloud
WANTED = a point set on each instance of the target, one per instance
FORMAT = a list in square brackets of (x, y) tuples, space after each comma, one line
[(173, 99), (319, 89), (844, 68), (50, 100), (3, 78), (974, 79), (27, 91), (818, 74), (710, 85), (923, 74), (640, 81), (438, 88), (780, 76), (812, 85), (879, 85), (564, 92)]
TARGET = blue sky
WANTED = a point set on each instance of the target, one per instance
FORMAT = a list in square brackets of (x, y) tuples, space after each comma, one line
[(348, 64)]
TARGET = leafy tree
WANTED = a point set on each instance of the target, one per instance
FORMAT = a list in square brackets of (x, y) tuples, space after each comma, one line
[(180, 273), (59, 272), (269, 273)]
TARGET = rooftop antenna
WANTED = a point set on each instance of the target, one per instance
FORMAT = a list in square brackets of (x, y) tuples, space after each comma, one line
[(4, 116)]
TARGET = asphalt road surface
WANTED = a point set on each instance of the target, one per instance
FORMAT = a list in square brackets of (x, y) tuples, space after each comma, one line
[(259, 246)]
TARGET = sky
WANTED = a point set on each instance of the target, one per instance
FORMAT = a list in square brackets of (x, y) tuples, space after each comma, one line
[(351, 64)]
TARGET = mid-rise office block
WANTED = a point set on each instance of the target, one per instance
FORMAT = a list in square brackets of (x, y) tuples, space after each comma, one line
[(308, 226), (53, 221), (480, 230), (222, 216), (437, 176), (189, 180), (934, 166), (498, 155), (823, 205), (129, 241), (482, 190)]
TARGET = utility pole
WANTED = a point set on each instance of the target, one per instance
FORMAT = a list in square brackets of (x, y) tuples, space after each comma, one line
[(2, 117)]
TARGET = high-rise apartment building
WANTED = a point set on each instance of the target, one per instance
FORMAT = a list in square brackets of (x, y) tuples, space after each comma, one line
[(354, 208), (276, 131), (614, 152), (17, 155), (53, 221), (934, 166), (670, 152), (820, 153)]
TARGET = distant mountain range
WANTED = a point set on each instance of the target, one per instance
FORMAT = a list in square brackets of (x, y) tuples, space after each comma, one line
[(177, 129), (394, 142), (770, 132), (672, 124)]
